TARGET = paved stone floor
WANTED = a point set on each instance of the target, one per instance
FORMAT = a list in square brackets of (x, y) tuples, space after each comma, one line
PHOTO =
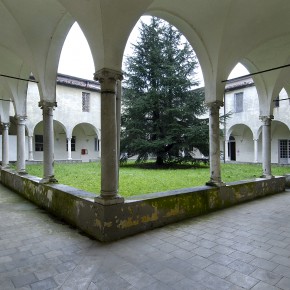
[(244, 247)]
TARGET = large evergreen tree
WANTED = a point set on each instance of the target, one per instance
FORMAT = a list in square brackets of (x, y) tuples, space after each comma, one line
[(160, 108)]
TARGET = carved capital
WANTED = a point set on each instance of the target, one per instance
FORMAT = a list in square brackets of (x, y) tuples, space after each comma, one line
[(215, 104), (5, 126), (47, 104), (108, 78), (214, 107), (20, 119), (266, 120)]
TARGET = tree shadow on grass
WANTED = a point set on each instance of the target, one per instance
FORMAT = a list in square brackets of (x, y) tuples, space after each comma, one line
[(175, 166)]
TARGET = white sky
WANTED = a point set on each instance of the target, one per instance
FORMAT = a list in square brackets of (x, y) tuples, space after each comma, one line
[(76, 58)]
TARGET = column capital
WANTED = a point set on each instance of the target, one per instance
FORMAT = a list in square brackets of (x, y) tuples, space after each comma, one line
[(215, 104), (5, 125), (47, 104), (106, 73), (266, 119), (20, 119), (108, 78)]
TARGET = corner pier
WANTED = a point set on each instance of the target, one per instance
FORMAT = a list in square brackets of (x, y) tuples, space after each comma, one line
[(137, 214)]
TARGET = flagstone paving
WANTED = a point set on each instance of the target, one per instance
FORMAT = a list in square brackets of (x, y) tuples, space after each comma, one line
[(244, 247)]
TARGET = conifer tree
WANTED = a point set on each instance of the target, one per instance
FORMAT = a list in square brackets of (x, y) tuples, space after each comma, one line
[(161, 109)]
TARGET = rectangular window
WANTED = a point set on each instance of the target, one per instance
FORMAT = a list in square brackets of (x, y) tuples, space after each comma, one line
[(38, 142), (97, 144), (284, 151), (283, 148), (239, 102), (85, 102), (73, 144)]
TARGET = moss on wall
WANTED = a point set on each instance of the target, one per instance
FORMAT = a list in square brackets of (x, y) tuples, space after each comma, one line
[(107, 223)]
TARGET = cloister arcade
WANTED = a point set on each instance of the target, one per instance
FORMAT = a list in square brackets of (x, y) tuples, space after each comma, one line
[(222, 33)]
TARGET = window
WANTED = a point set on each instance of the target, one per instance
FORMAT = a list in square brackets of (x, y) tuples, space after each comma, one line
[(73, 144), (276, 102), (97, 144), (239, 102), (283, 148), (85, 102), (38, 142)]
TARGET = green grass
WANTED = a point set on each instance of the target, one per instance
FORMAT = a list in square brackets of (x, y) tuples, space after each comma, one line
[(141, 180)]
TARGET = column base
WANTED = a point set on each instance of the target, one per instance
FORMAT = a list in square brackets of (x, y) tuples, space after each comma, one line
[(215, 183), (22, 172), (5, 166), (109, 201), (268, 176), (50, 179)]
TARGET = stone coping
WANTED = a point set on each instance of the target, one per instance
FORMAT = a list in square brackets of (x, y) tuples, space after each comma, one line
[(139, 213)]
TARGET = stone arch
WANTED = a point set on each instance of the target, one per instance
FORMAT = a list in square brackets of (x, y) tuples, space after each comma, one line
[(71, 53), (59, 140), (87, 145), (243, 137), (196, 43), (46, 75), (280, 136)]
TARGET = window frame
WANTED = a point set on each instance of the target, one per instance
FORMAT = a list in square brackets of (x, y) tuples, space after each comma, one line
[(86, 100), (72, 143), (239, 102), (38, 143)]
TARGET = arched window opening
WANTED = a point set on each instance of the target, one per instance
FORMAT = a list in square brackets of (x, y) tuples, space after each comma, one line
[(162, 101), (238, 71), (76, 57), (232, 148)]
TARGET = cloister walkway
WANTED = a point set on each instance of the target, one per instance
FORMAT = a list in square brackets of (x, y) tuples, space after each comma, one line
[(244, 247)]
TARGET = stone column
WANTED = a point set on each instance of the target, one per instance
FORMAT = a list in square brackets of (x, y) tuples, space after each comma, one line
[(109, 159), (226, 157), (21, 166), (214, 144), (266, 146), (69, 149), (48, 141), (5, 145), (255, 150), (30, 148), (118, 116)]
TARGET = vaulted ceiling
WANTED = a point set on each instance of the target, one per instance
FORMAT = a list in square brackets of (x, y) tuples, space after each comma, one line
[(222, 33)]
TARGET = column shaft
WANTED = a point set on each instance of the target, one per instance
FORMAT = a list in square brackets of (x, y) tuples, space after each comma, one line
[(266, 146), (21, 166), (69, 149), (214, 144), (109, 158), (48, 142), (118, 120), (30, 145), (255, 150), (226, 157), (5, 145)]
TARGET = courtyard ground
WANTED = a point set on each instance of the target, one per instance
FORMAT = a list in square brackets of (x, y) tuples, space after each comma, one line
[(244, 247)]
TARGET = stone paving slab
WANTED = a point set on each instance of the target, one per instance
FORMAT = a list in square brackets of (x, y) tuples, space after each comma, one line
[(244, 247)]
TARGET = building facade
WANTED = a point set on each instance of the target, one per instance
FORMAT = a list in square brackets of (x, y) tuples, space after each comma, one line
[(243, 129), (76, 122)]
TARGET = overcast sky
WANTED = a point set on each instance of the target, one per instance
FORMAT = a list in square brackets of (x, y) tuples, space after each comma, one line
[(76, 58)]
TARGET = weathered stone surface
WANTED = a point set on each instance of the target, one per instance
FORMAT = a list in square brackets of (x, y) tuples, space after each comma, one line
[(138, 214)]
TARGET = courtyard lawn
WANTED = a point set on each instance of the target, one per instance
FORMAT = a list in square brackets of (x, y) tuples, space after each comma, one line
[(139, 180)]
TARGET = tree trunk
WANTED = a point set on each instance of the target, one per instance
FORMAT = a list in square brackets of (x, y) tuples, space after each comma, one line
[(159, 160)]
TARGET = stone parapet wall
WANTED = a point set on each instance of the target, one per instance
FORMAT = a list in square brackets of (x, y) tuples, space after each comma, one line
[(66, 161), (137, 214)]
